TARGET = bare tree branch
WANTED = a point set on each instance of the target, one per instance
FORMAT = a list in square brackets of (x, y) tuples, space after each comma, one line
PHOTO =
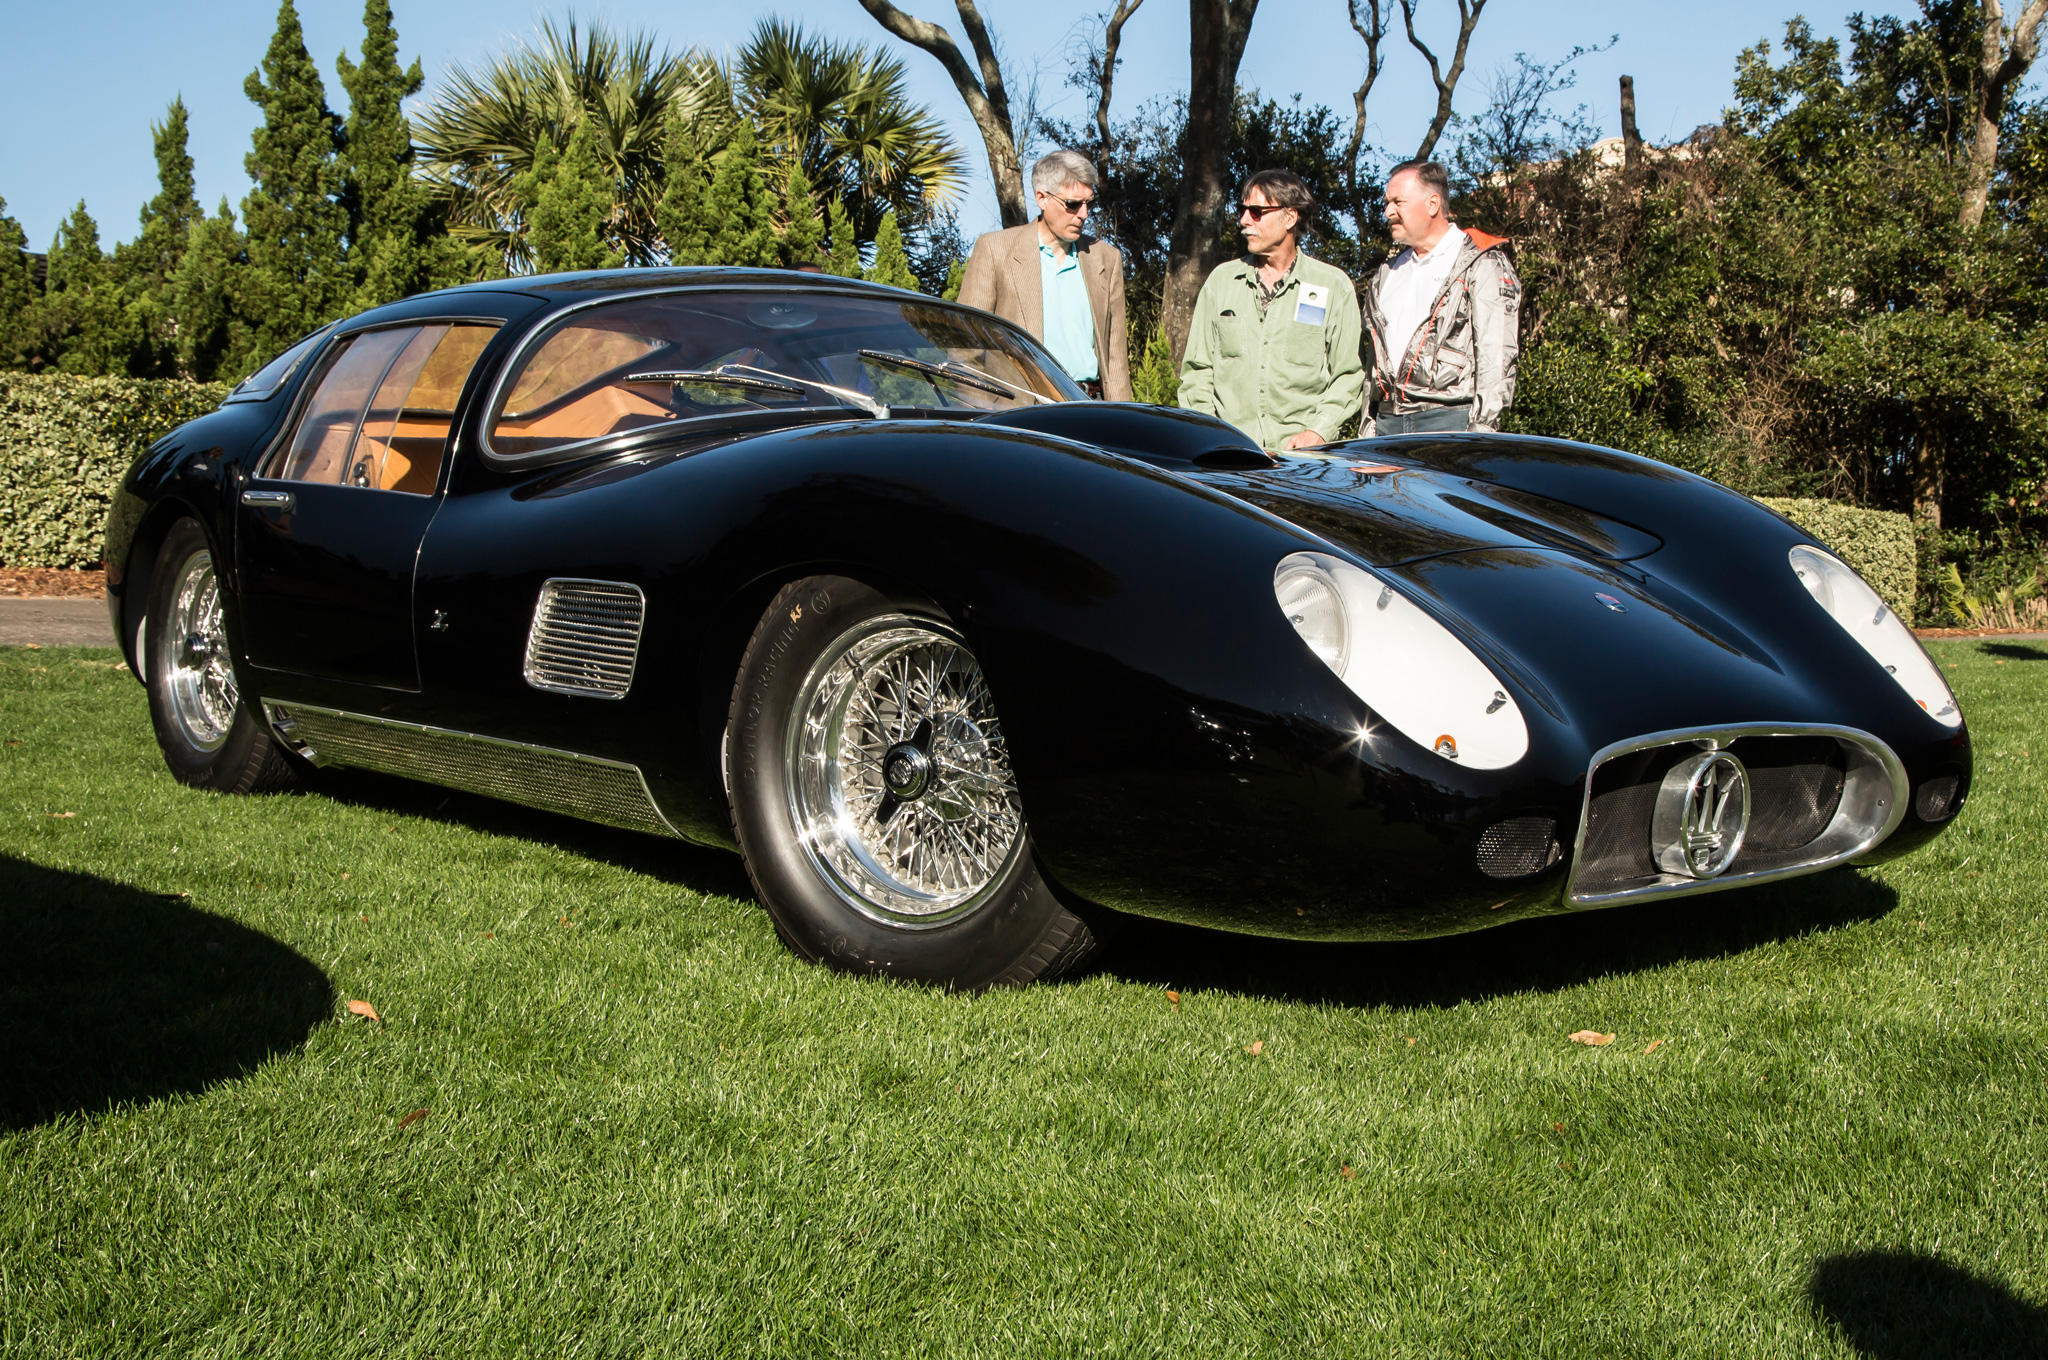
[(1373, 29), (2002, 64), (987, 100), (1112, 37), (1468, 19)]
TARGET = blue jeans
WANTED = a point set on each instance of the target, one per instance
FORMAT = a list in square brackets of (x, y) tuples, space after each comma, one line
[(1435, 420)]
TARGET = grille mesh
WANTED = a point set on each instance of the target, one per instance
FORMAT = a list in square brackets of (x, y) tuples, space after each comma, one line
[(1518, 847), (585, 638), (554, 781)]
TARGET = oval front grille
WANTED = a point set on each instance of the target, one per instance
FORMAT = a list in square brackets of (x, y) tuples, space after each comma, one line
[(585, 637)]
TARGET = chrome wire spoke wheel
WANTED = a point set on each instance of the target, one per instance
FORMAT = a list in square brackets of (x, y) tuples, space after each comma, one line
[(192, 656), (899, 778)]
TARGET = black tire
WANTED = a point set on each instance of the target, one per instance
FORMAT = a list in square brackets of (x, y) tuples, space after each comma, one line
[(210, 731), (872, 894)]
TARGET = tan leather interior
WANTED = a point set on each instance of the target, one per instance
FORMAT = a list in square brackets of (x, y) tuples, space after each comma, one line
[(600, 412)]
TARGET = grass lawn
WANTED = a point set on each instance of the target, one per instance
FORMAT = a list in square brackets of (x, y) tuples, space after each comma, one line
[(1821, 1130)]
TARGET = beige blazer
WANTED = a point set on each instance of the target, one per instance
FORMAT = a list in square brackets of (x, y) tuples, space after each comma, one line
[(1003, 277)]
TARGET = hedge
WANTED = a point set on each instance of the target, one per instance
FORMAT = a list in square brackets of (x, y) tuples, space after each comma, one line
[(1877, 543), (65, 444)]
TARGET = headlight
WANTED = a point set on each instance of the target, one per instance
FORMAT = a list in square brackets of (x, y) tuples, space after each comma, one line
[(1408, 667), (1851, 602)]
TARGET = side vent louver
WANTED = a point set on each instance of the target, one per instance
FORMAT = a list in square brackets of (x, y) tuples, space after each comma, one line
[(585, 638)]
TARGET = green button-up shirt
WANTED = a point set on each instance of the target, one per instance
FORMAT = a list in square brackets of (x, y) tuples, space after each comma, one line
[(1275, 371)]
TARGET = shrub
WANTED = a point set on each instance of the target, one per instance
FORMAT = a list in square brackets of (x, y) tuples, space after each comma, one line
[(65, 444), (1879, 544)]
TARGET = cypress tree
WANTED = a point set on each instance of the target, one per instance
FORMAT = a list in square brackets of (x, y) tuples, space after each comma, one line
[(397, 246), (803, 236), (207, 297), (568, 203), (892, 263), (956, 274), (297, 230), (148, 265), (17, 292), (82, 327), (845, 257), (684, 214), (742, 206)]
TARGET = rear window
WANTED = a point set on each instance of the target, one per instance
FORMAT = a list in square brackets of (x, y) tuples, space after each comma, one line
[(643, 362)]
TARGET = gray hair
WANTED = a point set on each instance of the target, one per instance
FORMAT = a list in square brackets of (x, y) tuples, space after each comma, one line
[(1057, 169)]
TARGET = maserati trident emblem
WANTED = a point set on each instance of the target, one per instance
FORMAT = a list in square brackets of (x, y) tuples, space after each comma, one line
[(1701, 815)]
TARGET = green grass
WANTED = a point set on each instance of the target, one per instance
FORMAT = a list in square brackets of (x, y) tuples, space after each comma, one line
[(649, 1130)]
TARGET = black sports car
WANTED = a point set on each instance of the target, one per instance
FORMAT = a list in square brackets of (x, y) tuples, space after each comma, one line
[(855, 582)]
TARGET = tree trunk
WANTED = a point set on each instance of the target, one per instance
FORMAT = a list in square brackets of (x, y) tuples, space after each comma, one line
[(1112, 38), (1218, 29), (1927, 469), (2002, 63), (1631, 140), (986, 97), (1373, 29)]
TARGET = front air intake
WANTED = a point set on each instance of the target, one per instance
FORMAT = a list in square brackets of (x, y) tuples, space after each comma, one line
[(1519, 847), (585, 637)]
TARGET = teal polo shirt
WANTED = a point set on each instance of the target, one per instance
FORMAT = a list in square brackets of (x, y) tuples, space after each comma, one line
[(1069, 324)]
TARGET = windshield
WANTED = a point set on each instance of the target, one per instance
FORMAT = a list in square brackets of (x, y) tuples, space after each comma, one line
[(647, 361)]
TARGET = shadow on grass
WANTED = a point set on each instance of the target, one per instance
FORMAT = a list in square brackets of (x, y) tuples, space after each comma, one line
[(2013, 651), (679, 863), (1900, 1305), (1542, 954), (109, 994)]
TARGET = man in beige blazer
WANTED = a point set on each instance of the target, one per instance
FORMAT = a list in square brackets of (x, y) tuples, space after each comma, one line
[(1065, 288)]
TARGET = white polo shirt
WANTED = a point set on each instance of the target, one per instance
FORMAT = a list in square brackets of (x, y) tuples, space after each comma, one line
[(1413, 281)]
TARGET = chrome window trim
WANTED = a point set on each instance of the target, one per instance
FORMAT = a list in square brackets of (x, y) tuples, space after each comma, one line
[(1870, 835), (546, 323)]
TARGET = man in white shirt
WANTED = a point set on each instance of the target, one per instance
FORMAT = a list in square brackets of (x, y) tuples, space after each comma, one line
[(1443, 315)]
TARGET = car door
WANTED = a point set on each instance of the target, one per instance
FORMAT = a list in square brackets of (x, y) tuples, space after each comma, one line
[(328, 530)]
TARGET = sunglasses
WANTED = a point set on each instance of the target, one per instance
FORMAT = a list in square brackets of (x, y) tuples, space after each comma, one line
[(1258, 211), (1072, 205)]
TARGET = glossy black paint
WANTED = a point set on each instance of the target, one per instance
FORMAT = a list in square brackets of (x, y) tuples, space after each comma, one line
[(1179, 750)]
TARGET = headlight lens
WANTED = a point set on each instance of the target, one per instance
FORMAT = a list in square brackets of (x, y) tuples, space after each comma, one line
[(1863, 615), (1308, 596), (1409, 668)]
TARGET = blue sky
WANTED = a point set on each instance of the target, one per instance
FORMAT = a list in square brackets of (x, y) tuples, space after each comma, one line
[(79, 88)]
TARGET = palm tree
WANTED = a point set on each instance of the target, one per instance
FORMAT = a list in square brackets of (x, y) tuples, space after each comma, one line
[(483, 127), (841, 111)]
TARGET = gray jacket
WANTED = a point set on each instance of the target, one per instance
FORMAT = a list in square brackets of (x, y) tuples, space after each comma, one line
[(1464, 352)]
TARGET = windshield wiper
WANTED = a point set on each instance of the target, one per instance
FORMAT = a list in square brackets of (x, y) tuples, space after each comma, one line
[(964, 374), (762, 380)]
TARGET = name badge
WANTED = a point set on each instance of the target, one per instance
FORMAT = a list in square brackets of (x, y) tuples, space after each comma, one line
[(1313, 305)]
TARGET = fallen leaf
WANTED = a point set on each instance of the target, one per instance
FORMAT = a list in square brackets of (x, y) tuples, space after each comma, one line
[(1592, 1038), (1301, 911), (60, 814), (1347, 1173), (1410, 1038), (1654, 1045), (345, 874), (415, 1117), (1255, 1047), (1498, 905), (33, 646), (366, 1010), (490, 935), (14, 743), (1557, 1128)]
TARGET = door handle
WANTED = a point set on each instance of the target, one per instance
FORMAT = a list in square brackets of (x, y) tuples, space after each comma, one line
[(272, 500)]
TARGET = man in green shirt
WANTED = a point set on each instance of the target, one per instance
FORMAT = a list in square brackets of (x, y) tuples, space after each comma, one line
[(1274, 347)]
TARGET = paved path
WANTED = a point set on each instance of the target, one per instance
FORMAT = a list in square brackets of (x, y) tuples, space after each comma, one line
[(55, 623)]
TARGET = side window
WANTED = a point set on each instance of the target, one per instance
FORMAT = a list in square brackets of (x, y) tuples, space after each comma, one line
[(406, 429), (381, 414)]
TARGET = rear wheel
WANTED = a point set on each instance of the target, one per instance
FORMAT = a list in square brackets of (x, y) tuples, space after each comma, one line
[(873, 798), (211, 737)]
